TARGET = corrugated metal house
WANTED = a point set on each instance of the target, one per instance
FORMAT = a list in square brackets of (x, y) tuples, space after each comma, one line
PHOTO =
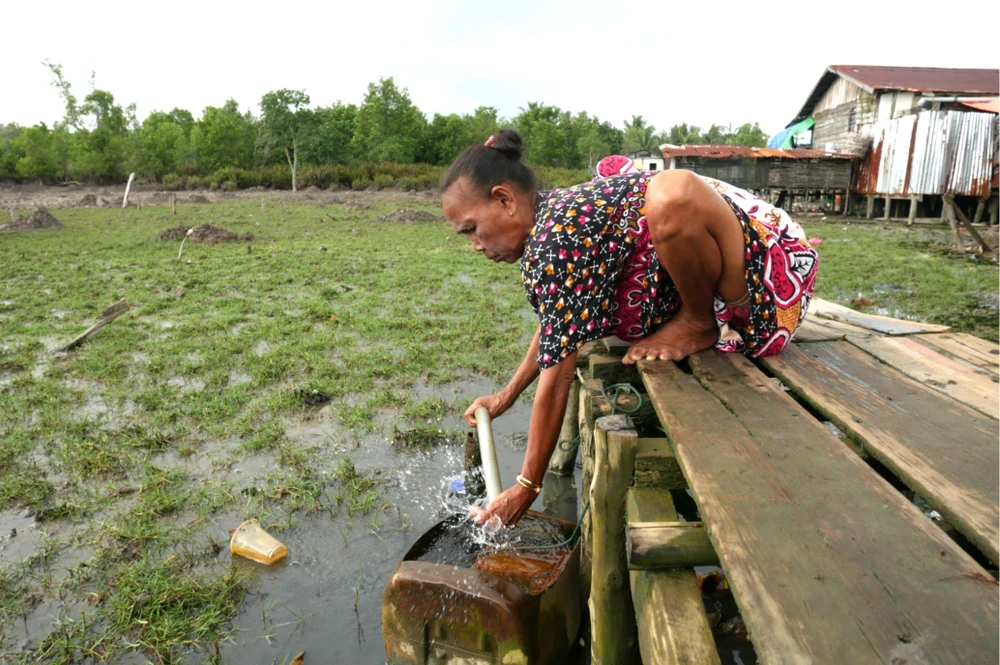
[(773, 173), (848, 100)]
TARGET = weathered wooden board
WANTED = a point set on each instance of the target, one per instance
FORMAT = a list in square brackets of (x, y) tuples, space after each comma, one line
[(815, 329), (943, 450), (980, 353), (673, 628), (653, 545), (828, 563), (931, 368), (825, 309)]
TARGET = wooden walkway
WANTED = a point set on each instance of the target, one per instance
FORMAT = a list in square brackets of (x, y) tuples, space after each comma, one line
[(826, 553)]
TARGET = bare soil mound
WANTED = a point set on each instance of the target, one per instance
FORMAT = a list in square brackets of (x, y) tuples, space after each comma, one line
[(173, 233), (409, 216), (87, 200), (205, 233), (197, 198), (212, 234), (40, 219)]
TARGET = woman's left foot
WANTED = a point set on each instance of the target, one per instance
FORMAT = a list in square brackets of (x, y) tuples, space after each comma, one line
[(676, 339)]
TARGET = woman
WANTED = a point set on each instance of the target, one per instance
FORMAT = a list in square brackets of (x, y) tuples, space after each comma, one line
[(671, 261)]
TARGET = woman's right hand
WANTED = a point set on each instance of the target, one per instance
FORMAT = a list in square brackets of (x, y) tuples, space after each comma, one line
[(496, 404)]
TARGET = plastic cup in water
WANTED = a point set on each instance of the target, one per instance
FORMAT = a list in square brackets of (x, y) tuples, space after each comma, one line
[(250, 540)]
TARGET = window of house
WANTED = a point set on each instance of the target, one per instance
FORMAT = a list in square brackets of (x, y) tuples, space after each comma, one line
[(652, 166), (852, 121)]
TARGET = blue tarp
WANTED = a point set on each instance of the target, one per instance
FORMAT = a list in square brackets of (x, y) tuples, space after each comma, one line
[(783, 139)]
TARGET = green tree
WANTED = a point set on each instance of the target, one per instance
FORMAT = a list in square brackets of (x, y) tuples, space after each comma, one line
[(544, 131), (286, 122), (388, 127), (331, 135), (716, 135), (39, 160), (684, 134), (748, 135), (161, 143), (224, 137), (639, 136)]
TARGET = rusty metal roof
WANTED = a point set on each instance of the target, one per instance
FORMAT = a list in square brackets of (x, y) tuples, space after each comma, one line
[(912, 79), (921, 79), (731, 151), (931, 152)]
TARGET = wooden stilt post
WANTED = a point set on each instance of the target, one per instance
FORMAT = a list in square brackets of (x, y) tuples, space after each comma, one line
[(564, 458), (948, 213), (913, 211), (612, 617), (980, 209), (993, 211), (871, 207), (888, 207)]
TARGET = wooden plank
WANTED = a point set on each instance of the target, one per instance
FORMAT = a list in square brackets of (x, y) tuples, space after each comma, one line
[(656, 466), (815, 329), (110, 313), (652, 545), (613, 633), (615, 346), (935, 370), (669, 611), (979, 353), (828, 564), (825, 309), (943, 450)]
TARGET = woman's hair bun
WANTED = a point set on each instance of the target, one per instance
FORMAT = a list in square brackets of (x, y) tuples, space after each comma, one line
[(508, 142)]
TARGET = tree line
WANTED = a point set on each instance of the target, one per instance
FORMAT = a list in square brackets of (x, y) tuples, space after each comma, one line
[(99, 140)]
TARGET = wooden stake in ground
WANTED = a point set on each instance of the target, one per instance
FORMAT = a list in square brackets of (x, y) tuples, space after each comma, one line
[(263, 208), (111, 313), (128, 188), (173, 203)]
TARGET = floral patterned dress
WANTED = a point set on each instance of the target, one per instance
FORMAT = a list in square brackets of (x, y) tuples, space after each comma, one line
[(590, 270)]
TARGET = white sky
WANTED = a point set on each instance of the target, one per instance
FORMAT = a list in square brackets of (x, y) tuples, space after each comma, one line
[(697, 62)]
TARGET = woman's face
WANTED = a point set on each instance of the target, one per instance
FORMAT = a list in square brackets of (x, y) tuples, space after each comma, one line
[(496, 225)]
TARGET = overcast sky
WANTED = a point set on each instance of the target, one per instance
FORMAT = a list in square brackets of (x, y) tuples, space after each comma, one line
[(697, 62)]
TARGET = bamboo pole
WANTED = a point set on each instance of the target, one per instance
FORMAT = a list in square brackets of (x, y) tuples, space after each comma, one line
[(564, 458), (612, 618)]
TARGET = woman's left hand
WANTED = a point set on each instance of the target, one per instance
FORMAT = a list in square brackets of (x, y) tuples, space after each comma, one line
[(509, 506)]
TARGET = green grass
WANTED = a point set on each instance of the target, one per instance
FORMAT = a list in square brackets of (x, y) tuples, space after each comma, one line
[(211, 359)]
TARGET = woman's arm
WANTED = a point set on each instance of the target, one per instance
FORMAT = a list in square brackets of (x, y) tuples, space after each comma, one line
[(543, 431), (499, 402)]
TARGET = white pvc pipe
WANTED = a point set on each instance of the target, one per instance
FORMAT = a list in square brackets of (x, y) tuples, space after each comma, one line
[(488, 451)]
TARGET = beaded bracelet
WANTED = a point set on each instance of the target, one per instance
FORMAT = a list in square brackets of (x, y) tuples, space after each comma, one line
[(527, 484)]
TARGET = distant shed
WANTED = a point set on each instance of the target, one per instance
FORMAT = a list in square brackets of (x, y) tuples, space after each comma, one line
[(773, 173)]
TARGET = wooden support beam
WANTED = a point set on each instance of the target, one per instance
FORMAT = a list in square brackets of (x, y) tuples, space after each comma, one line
[(949, 216), (888, 207), (615, 346), (612, 618), (669, 610), (980, 209), (656, 466), (563, 461), (870, 210), (950, 200), (611, 369), (586, 424), (653, 545), (913, 211)]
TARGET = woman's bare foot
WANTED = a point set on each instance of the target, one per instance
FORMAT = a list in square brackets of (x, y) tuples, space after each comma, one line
[(678, 338)]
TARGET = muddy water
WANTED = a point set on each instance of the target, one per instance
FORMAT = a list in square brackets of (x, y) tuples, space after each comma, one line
[(307, 602)]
